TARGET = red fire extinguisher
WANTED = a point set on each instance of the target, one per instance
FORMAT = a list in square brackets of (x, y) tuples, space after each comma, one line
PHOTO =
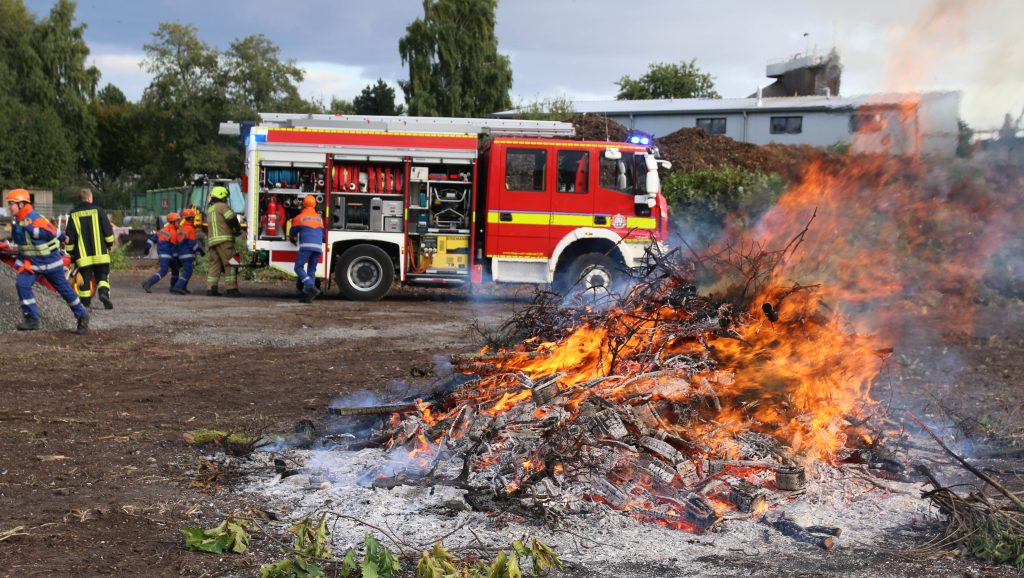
[(273, 218)]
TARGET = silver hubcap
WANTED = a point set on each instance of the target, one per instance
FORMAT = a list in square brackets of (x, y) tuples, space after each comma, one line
[(364, 274)]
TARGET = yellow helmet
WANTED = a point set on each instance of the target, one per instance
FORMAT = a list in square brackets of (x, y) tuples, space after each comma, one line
[(219, 193)]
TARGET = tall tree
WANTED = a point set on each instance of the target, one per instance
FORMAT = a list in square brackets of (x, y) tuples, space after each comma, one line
[(184, 104), (63, 52), (377, 99), (120, 132), (683, 80), (454, 65), (257, 80), (44, 91)]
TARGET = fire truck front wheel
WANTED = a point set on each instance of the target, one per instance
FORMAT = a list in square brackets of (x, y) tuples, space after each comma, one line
[(365, 273), (595, 273)]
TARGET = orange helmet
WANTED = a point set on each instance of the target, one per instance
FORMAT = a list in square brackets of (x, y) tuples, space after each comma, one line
[(18, 195), (173, 217), (309, 201), (188, 213)]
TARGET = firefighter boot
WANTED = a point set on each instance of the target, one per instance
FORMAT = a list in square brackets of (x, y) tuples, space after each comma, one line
[(212, 292), (232, 293), (147, 286), (309, 295), (105, 298), (83, 324), (29, 323), (178, 291)]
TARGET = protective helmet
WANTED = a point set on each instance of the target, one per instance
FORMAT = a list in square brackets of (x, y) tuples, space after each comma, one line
[(309, 201), (173, 217), (188, 213), (219, 193), (19, 195)]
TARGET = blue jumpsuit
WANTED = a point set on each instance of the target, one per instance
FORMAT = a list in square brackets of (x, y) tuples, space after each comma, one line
[(166, 241), (39, 256), (188, 248), (308, 231)]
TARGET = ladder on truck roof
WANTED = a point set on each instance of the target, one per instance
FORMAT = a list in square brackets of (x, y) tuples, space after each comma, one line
[(427, 124)]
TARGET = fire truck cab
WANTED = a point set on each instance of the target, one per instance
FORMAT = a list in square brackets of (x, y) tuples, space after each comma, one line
[(449, 201)]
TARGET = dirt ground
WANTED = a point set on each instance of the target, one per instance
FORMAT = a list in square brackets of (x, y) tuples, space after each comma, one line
[(99, 480)]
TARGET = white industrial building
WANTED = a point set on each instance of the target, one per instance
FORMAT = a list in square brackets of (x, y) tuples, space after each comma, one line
[(802, 106)]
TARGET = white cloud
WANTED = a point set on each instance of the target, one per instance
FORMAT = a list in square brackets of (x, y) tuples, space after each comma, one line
[(123, 71)]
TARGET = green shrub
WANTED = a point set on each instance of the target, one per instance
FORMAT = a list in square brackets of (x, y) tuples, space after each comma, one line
[(703, 201), (119, 257)]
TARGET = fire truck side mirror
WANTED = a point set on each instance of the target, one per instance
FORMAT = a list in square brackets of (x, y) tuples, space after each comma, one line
[(664, 164)]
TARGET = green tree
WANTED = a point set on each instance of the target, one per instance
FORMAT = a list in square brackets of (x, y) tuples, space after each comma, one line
[(341, 106), (377, 99), (683, 80), (63, 53), (560, 108), (44, 92), (454, 65), (257, 80), (183, 106), (122, 147)]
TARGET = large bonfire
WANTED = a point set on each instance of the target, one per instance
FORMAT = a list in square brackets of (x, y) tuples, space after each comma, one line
[(679, 408)]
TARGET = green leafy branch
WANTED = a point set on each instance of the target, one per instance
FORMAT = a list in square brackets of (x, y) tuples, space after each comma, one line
[(230, 536)]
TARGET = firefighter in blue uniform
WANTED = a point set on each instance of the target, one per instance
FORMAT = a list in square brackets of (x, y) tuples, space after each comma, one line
[(188, 248), (166, 241), (39, 256), (307, 231)]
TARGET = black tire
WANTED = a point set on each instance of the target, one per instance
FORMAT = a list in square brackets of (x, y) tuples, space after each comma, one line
[(593, 273), (365, 273)]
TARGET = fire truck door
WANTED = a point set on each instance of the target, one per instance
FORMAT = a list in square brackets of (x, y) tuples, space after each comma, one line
[(572, 204), (521, 217)]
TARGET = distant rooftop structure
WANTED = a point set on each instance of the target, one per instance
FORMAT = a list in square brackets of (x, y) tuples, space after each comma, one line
[(806, 74)]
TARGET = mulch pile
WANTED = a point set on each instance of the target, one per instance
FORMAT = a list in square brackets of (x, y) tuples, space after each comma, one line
[(690, 149)]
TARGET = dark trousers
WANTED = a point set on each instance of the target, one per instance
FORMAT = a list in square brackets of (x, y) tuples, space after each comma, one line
[(101, 274)]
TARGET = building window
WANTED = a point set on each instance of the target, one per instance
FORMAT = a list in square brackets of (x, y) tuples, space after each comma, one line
[(573, 171), (787, 124), (870, 118), (524, 169), (715, 125)]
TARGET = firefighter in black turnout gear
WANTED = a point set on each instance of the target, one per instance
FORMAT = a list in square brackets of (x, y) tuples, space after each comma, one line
[(90, 237)]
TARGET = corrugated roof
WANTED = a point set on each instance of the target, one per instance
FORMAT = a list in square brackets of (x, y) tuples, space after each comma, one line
[(723, 105)]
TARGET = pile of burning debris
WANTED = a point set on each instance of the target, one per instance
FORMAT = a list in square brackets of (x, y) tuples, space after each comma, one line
[(673, 408)]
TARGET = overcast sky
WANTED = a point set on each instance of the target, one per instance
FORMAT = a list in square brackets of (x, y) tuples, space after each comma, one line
[(580, 48)]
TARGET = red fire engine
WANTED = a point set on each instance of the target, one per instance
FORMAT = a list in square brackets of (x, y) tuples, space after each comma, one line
[(450, 201)]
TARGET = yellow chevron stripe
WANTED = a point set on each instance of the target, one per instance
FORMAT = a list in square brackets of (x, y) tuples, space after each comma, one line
[(571, 144), (568, 220)]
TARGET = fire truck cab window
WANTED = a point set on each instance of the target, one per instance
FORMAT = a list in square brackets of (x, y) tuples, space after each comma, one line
[(573, 171), (617, 174), (525, 169)]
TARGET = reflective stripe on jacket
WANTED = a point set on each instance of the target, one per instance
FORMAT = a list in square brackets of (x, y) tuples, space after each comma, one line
[(90, 235), (308, 229), (37, 239), (166, 241), (187, 243), (217, 216)]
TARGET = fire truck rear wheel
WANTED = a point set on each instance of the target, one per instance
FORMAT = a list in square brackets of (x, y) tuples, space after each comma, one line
[(594, 273), (365, 273)]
